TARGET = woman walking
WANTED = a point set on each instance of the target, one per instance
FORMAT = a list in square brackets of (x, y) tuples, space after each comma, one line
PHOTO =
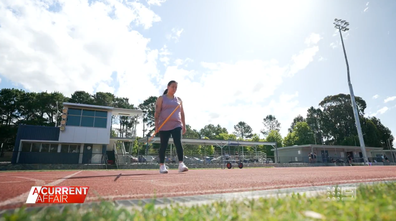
[(169, 115)]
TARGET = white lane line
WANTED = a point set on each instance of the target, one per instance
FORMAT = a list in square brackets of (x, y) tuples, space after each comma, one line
[(22, 198), (37, 182), (231, 190)]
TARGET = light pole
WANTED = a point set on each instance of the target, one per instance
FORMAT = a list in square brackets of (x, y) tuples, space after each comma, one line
[(342, 25)]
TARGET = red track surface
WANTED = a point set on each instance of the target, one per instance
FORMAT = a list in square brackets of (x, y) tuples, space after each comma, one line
[(139, 184)]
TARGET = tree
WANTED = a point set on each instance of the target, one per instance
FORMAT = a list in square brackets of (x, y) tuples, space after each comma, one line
[(104, 99), (270, 123), (315, 122), (289, 140), (299, 118), (81, 97), (385, 135), (148, 108), (210, 131), (191, 133), (53, 107), (243, 130), (225, 136), (10, 100), (31, 109), (371, 134), (273, 136), (301, 134), (338, 118), (255, 138)]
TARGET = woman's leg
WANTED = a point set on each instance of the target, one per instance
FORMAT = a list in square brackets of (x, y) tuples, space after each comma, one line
[(176, 134), (164, 137)]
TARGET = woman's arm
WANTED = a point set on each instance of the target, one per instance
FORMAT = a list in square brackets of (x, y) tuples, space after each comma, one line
[(182, 116)]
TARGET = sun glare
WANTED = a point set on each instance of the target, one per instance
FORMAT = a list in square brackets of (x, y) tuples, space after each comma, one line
[(270, 12)]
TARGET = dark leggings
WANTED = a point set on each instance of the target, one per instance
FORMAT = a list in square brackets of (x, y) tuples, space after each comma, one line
[(164, 136)]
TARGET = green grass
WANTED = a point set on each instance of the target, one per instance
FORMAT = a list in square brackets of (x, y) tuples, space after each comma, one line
[(377, 202)]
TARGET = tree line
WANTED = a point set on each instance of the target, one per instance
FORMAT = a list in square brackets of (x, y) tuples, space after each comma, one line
[(331, 123)]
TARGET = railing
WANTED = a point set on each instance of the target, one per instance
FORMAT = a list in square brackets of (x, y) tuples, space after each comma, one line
[(105, 160), (116, 156)]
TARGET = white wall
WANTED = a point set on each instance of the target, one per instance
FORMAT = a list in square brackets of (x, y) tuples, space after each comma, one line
[(91, 135), (85, 135)]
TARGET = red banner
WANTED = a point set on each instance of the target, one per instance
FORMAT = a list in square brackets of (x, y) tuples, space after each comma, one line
[(57, 194)]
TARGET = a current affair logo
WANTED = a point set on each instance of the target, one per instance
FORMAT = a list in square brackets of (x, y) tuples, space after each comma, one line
[(57, 194)]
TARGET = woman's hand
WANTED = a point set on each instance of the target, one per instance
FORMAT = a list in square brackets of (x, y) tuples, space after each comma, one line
[(184, 129)]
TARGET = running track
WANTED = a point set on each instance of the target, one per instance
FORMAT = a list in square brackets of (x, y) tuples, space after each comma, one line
[(141, 184)]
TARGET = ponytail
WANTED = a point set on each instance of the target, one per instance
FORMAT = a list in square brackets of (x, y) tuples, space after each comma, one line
[(166, 91)]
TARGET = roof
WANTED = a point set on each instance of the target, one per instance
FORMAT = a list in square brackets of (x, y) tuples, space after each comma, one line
[(211, 142), (114, 110), (386, 151), (325, 147), (67, 104)]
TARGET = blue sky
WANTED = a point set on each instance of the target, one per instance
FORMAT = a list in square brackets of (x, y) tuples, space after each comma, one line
[(234, 60)]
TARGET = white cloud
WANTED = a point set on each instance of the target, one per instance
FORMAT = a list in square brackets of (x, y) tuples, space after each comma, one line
[(380, 111), (388, 99), (156, 2), (375, 96), (306, 56), (245, 90), (179, 62), (175, 35), (227, 93), (313, 39), (164, 55), (366, 7), (302, 60), (78, 47), (103, 87)]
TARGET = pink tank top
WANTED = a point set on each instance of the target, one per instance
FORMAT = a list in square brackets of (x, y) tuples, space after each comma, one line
[(168, 106)]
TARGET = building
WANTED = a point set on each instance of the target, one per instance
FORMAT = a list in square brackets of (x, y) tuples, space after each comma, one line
[(84, 137), (329, 154)]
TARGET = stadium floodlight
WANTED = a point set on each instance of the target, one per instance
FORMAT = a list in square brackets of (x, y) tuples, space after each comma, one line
[(342, 25)]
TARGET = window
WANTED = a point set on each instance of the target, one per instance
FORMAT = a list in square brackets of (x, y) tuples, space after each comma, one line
[(70, 148), (36, 147), (53, 148), (26, 146), (72, 111), (45, 148), (73, 120), (101, 114), (74, 149), (65, 148), (90, 113), (86, 118), (100, 122), (49, 147), (87, 122)]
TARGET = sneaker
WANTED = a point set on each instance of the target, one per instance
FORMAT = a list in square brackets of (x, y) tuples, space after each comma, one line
[(182, 167), (163, 169)]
